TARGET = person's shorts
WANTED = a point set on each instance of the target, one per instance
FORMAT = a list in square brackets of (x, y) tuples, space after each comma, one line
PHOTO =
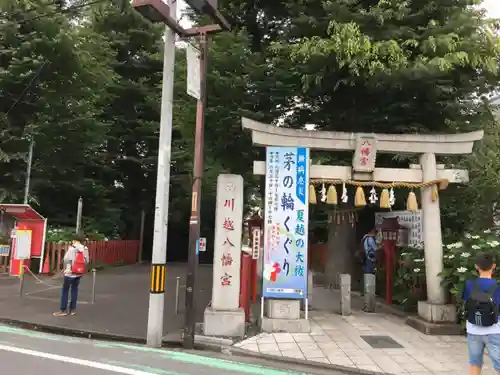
[(477, 343)]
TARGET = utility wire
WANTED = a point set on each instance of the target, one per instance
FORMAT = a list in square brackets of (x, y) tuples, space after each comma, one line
[(18, 13), (59, 11), (27, 88), (40, 69), (64, 10)]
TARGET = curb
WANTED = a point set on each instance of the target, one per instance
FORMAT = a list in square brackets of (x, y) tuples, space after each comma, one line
[(211, 345), (219, 345), (88, 334), (302, 362)]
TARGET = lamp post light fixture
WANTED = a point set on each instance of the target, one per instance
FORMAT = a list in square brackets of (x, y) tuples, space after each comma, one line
[(209, 7), (157, 11)]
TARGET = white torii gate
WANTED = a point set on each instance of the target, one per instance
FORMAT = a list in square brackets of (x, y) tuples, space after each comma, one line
[(427, 146)]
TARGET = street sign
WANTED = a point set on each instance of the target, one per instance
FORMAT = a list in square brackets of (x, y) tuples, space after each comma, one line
[(203, 244), (4, 250), (193, 56), (255, 243)]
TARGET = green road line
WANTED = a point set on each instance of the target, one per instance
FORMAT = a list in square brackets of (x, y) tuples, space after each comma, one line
[(199, 360), (188, 358), (144, 368)]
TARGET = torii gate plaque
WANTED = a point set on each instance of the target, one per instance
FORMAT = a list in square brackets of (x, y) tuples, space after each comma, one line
[(433, 310)]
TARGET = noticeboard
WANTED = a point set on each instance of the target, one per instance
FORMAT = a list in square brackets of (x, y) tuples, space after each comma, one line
[(23, 244)]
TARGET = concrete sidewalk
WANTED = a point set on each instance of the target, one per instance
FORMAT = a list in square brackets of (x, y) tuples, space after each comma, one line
[(370, 343), (121, 305)]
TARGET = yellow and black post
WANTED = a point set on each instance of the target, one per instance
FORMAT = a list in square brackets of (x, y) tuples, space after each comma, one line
[(158, 275)]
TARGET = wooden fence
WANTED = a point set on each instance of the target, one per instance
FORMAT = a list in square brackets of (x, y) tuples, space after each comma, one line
[(100, 252)]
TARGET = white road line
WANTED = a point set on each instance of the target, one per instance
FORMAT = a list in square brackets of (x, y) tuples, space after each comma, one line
[(75, 361)]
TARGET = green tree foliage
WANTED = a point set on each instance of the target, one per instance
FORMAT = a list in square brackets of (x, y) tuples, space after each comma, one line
[(383, 66), (387, 66), (94, 108), (50, 78), (482, 193)]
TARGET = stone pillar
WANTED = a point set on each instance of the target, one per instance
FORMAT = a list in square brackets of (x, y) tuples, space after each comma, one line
[(433, 314), (433, 247), (369, 282), (345, 294), (224, 317)]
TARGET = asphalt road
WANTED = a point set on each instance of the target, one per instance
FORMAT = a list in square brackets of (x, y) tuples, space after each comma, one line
[(32, 353)]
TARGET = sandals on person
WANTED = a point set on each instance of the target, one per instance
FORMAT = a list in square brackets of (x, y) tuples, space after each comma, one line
[(60, 313)]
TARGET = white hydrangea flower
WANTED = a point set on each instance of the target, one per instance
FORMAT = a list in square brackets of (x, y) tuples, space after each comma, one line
[(461, 269), (475, 247), (468, 235), (458, 245), (493, 243), (416, 270), (449, 247), (487, 231), (403, 254), (465, 255), (418, 260), (476, 237), (451, 256)]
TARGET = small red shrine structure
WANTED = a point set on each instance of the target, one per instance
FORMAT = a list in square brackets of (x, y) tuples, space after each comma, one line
[(22, 217)]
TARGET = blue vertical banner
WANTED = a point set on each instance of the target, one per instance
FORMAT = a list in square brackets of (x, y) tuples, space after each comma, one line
[(286, 223)]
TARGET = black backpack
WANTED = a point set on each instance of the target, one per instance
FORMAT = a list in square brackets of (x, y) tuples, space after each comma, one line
[(480, 309)]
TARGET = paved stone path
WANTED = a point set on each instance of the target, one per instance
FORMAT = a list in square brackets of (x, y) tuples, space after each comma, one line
[(338, 340)]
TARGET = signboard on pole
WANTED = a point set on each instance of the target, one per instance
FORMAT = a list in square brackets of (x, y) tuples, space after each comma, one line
[(286, 223), (4, 250), (202, 244), (23, 244), (193, 56), (256, 243)]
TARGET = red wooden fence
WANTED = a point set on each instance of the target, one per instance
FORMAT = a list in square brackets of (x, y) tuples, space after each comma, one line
[(100, 252)]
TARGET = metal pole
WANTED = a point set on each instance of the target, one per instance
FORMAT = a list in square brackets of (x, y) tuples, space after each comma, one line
[(159, 256), (177, 286), (94, 271), (21, 281), (79, 211), (141, 235), (28, 173), (194, 221)]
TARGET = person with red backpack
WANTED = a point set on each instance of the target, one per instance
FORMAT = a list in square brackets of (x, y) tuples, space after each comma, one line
[(75, 265)]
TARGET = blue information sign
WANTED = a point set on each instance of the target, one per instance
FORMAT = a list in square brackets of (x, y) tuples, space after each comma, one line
[(286, 223)]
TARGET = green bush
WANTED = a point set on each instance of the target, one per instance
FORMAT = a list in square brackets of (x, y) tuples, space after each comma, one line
[(67, 234), (458, 266), (408, 278), (459, 259)]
